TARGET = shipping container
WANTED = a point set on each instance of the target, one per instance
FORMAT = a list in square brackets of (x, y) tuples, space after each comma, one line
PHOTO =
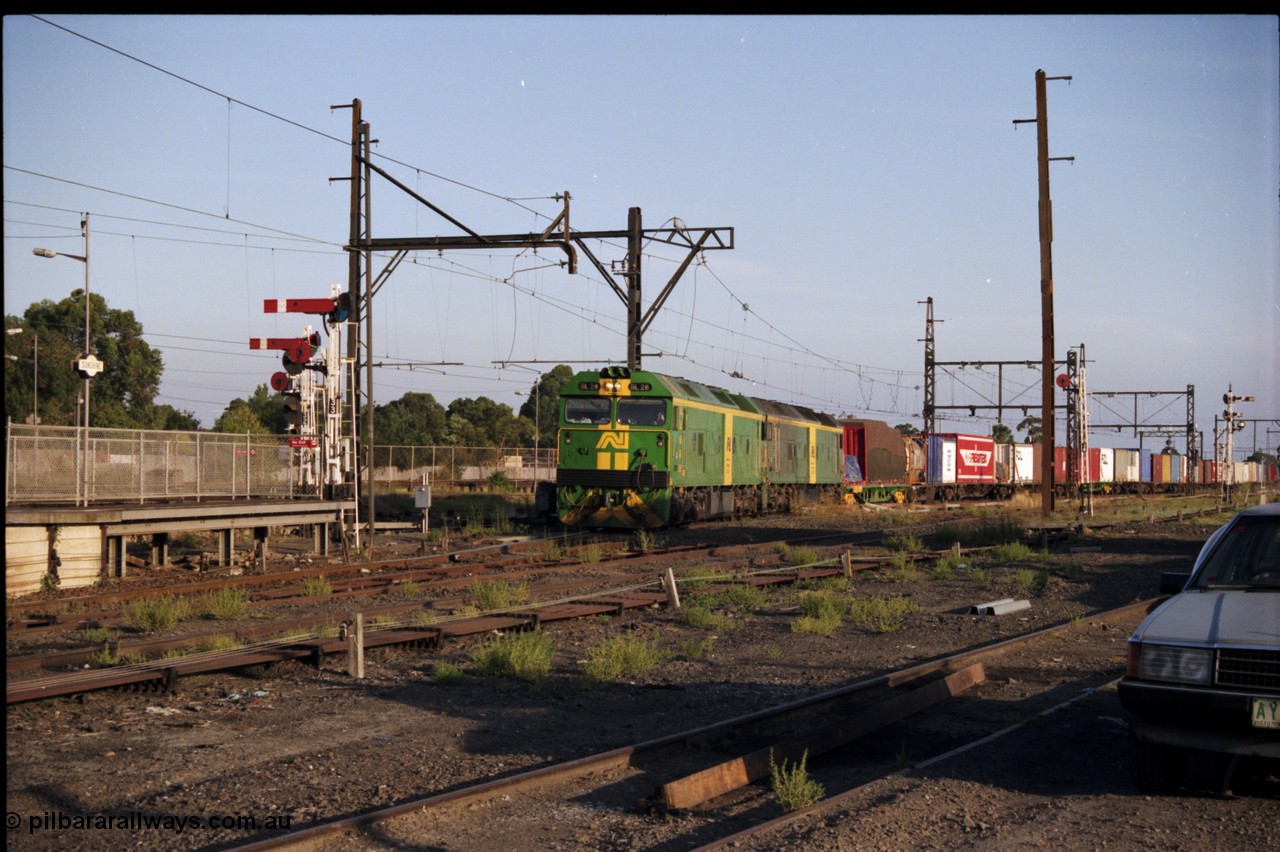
[(881, 453), (941, 456), (1128, 466), (975, 457), (1106, 465), (1015, 463)]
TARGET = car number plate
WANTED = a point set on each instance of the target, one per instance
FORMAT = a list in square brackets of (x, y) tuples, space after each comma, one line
[(1265, 713)]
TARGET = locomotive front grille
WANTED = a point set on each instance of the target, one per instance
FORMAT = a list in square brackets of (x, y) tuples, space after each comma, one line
[(1249, 669), (614, 478)]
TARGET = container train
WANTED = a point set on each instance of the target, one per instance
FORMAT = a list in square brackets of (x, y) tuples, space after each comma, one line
[(641, 450), (882, 464)]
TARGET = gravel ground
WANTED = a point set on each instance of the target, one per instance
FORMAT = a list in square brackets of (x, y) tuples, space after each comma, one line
[(289, 745)]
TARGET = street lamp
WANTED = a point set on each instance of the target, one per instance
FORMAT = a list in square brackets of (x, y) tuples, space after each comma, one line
[(88, 365), (35, 371)]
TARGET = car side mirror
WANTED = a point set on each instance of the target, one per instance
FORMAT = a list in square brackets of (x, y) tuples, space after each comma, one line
[(1172, 582)]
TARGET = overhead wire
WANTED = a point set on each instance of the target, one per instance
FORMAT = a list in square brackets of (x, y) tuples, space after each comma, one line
[(799, 347)]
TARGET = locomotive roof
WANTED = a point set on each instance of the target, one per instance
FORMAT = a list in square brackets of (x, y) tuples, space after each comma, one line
[(682, 388)]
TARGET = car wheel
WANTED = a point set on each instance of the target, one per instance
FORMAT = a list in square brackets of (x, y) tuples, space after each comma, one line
[(1154, 766)]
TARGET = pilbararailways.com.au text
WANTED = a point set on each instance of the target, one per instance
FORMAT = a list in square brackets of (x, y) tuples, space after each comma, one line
[(52, 821)]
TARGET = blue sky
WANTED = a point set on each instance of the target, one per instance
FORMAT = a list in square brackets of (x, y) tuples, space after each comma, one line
[(865, 163)]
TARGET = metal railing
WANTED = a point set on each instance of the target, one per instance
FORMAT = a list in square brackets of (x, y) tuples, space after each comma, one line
[(65, 464)]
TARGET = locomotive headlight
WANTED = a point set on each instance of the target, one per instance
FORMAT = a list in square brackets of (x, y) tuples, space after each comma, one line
[(1175, 665), (661, 440), (568, 438)]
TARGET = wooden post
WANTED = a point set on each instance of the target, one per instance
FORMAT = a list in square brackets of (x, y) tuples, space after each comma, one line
[(355, 646), (847, 561), (673, 594)]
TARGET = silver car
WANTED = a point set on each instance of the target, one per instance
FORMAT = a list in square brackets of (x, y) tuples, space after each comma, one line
[(1203, 672)]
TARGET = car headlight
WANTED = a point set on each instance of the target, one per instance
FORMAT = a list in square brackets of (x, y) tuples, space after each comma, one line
[(1176, 665)]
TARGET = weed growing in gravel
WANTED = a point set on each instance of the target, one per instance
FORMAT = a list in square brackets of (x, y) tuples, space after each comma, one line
[(96, 635), (903, 543), (980, 578), (425, 618), (946, 566), (151, 615), (697, 649), (313, 587), (1024, 579), (408, 589), (696, 578), (590, 552), (219, 642), (782, 549), (792, 786), (803, 556), (882, 615), (446, 673), (527, 656), (1042, 579), (984, 535), (774, 653), (742, 595), (1071, 570), (104, 659), (1014, 551), (645, 540), (901, 568), (497, 594), (822, 613), (621, 656), (49, 582), (227, 602), (698, 613)]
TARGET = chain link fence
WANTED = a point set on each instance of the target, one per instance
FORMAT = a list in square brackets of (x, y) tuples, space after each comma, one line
[(462, 467), (65, 464)]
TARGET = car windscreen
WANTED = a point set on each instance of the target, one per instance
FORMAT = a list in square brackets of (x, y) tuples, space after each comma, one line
[(1247, 554)]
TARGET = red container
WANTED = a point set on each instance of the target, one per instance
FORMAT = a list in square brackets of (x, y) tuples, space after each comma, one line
[(975, 457)]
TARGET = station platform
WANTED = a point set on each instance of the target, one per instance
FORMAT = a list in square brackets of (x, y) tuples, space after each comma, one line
[(81, 545)]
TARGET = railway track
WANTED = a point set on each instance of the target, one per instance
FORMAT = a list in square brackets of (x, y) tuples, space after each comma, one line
[(158, 663), (705, 780)]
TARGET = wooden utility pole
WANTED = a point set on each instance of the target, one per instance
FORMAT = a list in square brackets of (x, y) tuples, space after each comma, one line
[(1046, 291)]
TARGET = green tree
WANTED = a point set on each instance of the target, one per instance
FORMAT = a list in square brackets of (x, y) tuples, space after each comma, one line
[(1265, 458), (239, 418), (1002, 434), (268, 407), (1031, 425), (542, 403), (261, 414), (481, 422), (122, 395), (907, 429), (413, 420)]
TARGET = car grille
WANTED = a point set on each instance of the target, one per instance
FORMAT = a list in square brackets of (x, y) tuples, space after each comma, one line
[(1249, 669), (614, 478)]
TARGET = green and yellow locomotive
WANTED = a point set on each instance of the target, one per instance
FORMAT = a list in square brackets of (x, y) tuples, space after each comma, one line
[(639, 450)]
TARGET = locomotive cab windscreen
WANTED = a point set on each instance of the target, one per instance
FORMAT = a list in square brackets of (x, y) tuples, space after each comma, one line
[(588, 411)]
